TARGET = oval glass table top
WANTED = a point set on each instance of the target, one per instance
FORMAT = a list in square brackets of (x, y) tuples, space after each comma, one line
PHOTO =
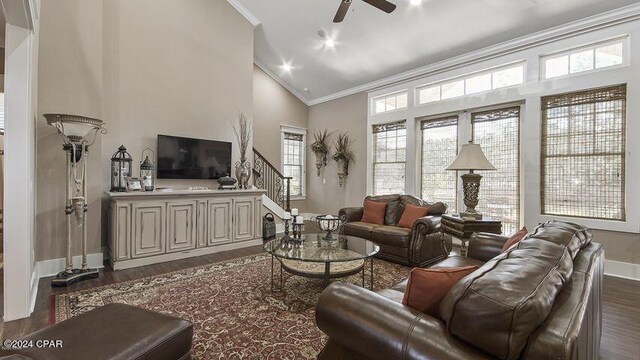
[(315, 249)]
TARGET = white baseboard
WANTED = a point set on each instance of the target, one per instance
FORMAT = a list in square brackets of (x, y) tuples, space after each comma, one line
[(54, 266), (622, 269)]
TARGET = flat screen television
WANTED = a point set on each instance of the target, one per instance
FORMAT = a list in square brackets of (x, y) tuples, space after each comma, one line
[(186, 158)]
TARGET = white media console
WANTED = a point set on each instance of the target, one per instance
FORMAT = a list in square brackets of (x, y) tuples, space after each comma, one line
[(158, 226)]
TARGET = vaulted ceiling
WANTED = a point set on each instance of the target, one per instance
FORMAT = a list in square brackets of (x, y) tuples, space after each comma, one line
[(371, 45)]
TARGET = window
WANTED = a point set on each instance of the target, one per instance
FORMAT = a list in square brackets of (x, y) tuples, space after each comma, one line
[(498, 133), (586, 58), (439, 149), (583, 154), (390, 102), (472, 84), (293, 156), (390, 145)]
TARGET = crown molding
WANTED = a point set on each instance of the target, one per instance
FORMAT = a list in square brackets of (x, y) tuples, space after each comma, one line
[(244, 12), (608, 19), (290, 88)]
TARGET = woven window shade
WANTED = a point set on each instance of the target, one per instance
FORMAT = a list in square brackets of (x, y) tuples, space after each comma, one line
[(389, 162), (498, 133), (583, 154), (439, 150), (293, 161)]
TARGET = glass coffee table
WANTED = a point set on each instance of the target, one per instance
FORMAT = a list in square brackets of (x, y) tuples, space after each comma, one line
[(314, 257)]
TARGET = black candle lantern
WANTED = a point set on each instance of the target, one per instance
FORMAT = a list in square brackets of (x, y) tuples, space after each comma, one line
[(120, 169), (147, 171)]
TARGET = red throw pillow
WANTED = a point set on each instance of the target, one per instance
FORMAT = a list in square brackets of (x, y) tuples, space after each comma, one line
[(427, 287), (515, 238), (410, 214), (374, 212)]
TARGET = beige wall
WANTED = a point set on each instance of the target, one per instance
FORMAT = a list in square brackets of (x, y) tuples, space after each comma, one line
[(145, 67), (619, 246), (348, 114), (273, 105)]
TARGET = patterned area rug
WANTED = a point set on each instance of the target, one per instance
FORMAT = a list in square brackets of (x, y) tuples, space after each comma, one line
[(234, 312)]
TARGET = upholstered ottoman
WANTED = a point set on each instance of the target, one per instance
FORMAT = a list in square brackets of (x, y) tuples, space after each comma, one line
[(114, 331)]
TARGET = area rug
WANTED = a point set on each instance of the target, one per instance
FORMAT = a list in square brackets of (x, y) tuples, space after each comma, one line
[(234, 312)]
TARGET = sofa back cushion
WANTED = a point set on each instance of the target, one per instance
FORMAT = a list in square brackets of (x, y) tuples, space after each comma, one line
[(374, 212), (436, 208), (393, 205), (497, 307)]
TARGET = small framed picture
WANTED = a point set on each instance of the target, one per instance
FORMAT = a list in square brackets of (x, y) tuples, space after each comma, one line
[(133, 184)]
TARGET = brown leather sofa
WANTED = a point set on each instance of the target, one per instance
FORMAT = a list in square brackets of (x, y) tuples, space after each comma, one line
[(541, 299), (114, 331), (422, 245)]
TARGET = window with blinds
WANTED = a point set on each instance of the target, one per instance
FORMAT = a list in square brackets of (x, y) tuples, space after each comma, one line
[(389, 158), (293, 161), (583, 154), (498, 133), (439, 150)]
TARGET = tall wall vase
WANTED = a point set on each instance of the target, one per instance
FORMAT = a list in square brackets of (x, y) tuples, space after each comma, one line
[(243, 173), (343, 171), (321, 160), (342, 156)]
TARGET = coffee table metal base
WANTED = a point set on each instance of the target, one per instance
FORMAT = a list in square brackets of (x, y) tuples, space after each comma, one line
[(317, 270)]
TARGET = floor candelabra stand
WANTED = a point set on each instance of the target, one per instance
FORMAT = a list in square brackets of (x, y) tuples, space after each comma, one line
[(75, 130)]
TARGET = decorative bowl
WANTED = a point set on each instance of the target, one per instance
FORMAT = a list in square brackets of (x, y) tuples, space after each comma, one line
[(329, 223)]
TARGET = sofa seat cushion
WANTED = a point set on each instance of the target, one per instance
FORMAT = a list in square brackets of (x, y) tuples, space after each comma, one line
[(392, 294), (391, 235), (457, 261), (116, 331), (359, 229)]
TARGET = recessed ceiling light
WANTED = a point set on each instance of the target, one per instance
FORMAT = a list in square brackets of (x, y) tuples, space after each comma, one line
[(286, 67), (415, 2), (329, 43), (306, 89)]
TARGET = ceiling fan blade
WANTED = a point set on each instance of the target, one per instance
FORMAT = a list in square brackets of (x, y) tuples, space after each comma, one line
[(342, 11), (383, 5)]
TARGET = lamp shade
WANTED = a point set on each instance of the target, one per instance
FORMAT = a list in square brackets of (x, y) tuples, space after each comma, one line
[(471, 157)]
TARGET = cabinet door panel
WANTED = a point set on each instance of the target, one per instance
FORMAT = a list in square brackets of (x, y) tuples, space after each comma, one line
[(182, 231), (243, 219), (148, 229), (121, 232), (219, 224), (201, 223)]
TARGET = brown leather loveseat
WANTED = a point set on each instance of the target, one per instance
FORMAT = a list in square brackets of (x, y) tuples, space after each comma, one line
[(422, 245), (540, 299)]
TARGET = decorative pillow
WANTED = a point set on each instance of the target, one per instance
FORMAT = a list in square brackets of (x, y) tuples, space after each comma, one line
[(411, 214), (515, 238), (374, 212), (427, 287)]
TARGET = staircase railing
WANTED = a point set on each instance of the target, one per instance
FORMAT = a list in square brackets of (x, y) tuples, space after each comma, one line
[(267, 177)]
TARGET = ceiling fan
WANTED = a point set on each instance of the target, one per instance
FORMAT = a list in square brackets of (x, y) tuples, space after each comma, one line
[(383, 5)]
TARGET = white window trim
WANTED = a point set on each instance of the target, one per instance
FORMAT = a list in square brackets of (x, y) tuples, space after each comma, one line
[(303, 132), (625, 57), (372, 103)]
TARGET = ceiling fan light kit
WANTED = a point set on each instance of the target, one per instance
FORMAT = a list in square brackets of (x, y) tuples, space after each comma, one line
[(383, 5)]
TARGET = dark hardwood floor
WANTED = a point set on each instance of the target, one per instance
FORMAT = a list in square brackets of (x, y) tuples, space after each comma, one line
[(621, 299)]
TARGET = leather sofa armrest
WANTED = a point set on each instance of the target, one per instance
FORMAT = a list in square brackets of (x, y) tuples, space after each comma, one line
[(351, 214), (428, 244), (380, 328), (485, 246), (426, 225)]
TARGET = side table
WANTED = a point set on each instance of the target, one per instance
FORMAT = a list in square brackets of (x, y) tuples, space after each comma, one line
[(463, 228)]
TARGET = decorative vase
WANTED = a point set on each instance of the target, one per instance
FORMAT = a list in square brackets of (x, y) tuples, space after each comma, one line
[(343, 171), (243, 173), (321, 160)]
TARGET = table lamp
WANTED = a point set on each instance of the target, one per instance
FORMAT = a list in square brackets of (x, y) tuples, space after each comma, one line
[(471, 158)]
